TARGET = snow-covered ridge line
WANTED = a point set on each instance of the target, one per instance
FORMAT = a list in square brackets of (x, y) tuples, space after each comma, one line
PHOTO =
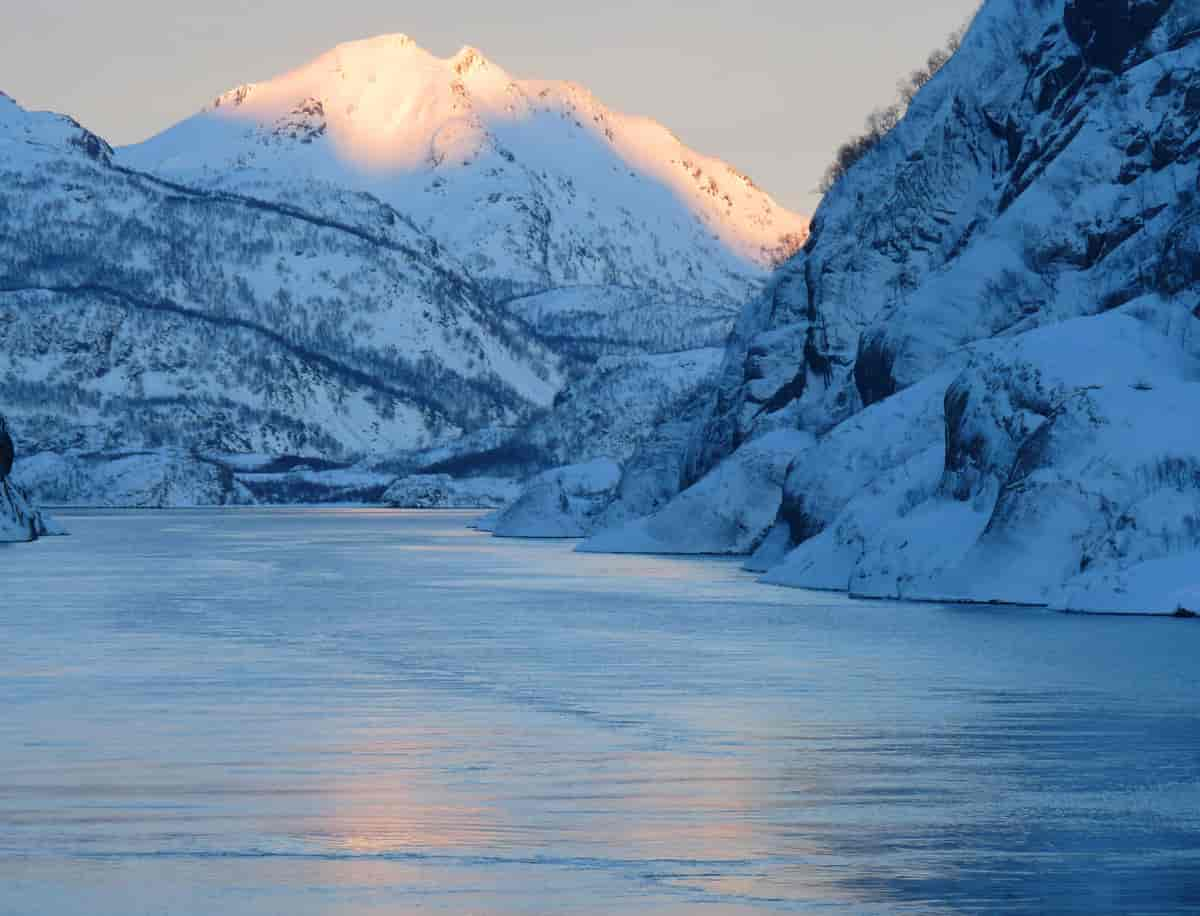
[(422, 132), (217, 196), (47, 130), (335, 367)]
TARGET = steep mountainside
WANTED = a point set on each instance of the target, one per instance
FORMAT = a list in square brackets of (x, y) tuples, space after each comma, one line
[(993, 332), (601, 229), (609, 411), (1030, 182)]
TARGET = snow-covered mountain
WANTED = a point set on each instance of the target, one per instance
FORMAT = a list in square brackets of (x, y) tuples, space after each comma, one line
[(138, 314), (598, 228), (979, 380), (379, 253)]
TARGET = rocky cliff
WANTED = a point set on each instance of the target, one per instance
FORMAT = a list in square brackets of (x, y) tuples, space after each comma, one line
[(992, 334), (20, 520)]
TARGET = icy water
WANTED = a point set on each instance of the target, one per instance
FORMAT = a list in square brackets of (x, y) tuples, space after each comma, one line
[(366, 712)]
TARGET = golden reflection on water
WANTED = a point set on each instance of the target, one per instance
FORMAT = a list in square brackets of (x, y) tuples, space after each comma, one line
[(699, 824), (332, 730), (653, 804)]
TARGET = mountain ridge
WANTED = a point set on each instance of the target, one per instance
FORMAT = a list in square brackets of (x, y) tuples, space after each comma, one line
[(256, 305), (531, 172)]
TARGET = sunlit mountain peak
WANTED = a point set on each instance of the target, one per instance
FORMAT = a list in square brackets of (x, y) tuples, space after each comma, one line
[(387, 116)]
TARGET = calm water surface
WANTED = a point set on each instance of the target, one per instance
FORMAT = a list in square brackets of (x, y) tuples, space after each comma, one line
[(368, 712)]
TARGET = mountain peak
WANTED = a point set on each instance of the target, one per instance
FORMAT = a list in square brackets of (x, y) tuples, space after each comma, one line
[(469, 59), (234, 97), (46, 130), (385, 115), (392, 41)]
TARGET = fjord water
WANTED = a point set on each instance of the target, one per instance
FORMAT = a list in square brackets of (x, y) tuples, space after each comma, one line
[(368, 712)]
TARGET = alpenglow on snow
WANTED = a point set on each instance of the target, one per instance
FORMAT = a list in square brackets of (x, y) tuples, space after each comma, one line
[(378, 253)]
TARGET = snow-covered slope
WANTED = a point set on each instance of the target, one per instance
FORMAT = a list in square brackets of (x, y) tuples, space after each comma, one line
[(725, 513), (25, 134), (137, 314), (622, 414), (610, 411), (598, 227), (993, 332)]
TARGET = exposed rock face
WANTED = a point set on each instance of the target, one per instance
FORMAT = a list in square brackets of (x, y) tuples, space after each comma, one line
[(1109, 32), (562, 502), (1053, 461), (19, 520), (441, 491), (150, 479), (993, 330), (7, 451), (852, 473)]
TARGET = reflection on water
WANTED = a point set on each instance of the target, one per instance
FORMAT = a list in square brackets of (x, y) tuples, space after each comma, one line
[(353, 712)]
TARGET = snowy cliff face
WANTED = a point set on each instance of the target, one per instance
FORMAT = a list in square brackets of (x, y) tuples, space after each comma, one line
[(993, 331), (1006, 199), (19, 518), (600, 229)]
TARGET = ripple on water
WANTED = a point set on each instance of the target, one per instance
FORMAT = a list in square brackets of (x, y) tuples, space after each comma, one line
[(314, 711)]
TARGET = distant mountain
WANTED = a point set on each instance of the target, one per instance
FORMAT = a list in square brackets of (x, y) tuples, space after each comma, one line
[(979, 380), (137, 313), (597, 227), (379, 253)]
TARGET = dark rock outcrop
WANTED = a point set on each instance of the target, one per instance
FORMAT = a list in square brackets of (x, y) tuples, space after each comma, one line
[(7, 452), (19, 519)]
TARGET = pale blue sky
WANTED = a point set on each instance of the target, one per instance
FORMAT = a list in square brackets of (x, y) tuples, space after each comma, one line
[(772, 87)]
